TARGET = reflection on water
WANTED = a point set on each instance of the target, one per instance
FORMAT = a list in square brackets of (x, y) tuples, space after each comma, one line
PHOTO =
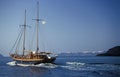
[(36, 70)]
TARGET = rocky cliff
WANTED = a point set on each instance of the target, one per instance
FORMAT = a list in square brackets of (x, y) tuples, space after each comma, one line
[(115, 51)]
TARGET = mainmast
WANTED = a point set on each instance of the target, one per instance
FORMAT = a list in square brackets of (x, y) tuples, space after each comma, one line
[(24, 33), (37, 25)]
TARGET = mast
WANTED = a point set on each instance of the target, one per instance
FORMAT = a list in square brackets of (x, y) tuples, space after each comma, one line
[(24, 33), (37, 24)]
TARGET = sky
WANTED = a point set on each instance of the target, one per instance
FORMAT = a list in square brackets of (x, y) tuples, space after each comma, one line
[(71, 25)]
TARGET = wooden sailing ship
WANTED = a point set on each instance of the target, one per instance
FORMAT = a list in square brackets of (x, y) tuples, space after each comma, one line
[(32, 57)]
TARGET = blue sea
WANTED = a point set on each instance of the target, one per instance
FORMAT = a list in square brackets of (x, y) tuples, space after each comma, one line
[(64, 66)]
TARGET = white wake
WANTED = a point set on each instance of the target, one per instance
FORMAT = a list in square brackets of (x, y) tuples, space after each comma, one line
[(75, 63), (43, 65), (13, 63)]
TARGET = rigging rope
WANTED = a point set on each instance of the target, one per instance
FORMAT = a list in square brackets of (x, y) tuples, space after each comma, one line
[(22, 30), (31, 44), (42, 39), (19, 35)]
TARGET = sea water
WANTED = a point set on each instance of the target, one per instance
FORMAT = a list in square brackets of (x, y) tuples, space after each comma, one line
[(64, 66)]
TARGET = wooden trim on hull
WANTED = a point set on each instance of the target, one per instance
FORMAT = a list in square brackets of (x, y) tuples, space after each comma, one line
[(34, 61), (27, 60)]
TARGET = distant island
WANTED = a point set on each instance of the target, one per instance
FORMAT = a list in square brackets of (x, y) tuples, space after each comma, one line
[(115, 51)]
